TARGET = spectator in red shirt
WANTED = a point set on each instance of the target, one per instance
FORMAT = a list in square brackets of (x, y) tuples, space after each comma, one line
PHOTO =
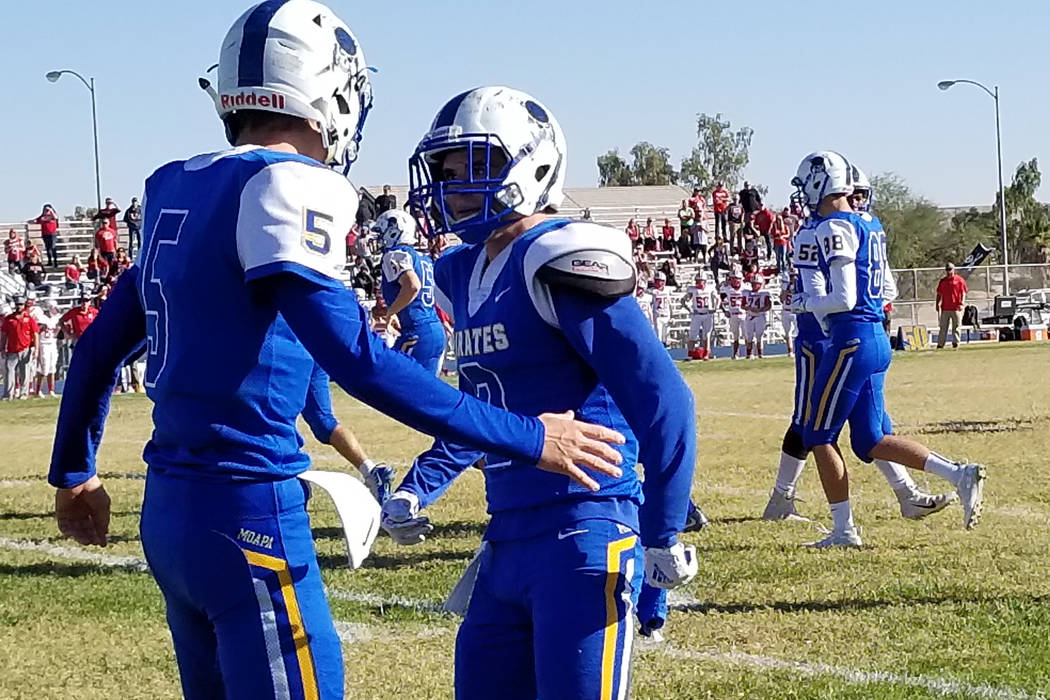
[(75, 321), (15, 251), (781, 241), (720, 202), (632, 232), (951, 297), (667, 234), (108, 214), (121, 262), (763, 221), (106, 242), (48, 221), (74, 270), (19, 338), (97, 267), (697, 203)]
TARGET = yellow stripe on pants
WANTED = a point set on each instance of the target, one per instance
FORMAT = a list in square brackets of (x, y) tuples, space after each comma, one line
[(295, 619), (843, 353), (612, 615), (809, 383)]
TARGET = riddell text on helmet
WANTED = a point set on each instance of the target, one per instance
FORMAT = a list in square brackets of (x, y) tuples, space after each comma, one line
[(251, 99)]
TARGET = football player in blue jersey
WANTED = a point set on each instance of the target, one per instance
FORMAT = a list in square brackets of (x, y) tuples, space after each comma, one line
[(224, 523), (408, 289), (544, 320), (915, 504), (846, 297)]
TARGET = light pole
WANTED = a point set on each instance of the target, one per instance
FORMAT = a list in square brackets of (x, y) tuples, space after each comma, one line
[(994, 94), (53, 76)]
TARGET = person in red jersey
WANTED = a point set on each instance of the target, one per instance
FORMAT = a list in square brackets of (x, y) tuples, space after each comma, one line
[(19, 338)]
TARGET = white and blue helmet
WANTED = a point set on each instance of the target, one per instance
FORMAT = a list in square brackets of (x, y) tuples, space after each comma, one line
[(296, 57), (516, 161), (395, 227), (821, 174), (862, 186)]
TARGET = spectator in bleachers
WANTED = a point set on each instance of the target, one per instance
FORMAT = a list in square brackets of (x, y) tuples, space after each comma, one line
[(362, 276), (698, 240), (133, 220), (19, 338), (698, 204), (749, 255), (720, 203), (684, 248), (48, 222), (752, 274), (763, 223), (586, 214), (735, 217), (108, 214), (366, 210), (33, 271), (685, 217), (670, 272), (667, 236), (102, 296), (649, 236), (15, 251), (106, 241), (76, 320), (74, 270), (30, 248), (750, 199), (781, 242), (790, 220), (718, 258), (631, 229), (97, 266), (385, 201)]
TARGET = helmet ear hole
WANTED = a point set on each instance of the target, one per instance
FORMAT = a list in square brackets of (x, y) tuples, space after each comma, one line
[(541, 172), (342, 105)]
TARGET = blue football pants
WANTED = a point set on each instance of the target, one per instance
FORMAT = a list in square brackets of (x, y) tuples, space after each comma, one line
[(551, 616), (425, 344), (237, 568)]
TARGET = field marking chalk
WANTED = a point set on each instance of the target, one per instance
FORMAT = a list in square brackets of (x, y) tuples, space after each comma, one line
[(106, 560)]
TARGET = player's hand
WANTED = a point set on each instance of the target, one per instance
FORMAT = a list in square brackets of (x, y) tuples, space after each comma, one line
[(569, 444), (670, 567), (82, 512), (799, 303), (401, 519)]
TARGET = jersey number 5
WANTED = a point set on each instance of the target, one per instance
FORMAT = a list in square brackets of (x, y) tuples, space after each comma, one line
[(164, 237)]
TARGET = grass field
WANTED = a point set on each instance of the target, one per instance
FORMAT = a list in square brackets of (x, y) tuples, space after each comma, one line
[(926, 610)]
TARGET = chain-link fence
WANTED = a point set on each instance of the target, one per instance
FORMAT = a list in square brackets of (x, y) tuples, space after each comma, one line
[(917, 289)]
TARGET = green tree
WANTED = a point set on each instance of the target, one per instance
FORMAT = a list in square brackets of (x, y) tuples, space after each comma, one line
[(720, 154), (915, 228), (652, 165), (613, 170), (1027, 219)]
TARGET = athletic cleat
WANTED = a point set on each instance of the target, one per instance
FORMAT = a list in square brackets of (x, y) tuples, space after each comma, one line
[(695, 520), (380, 482), (971, 492), (653, 634), (849, 538), (916, 505), (781, 506)]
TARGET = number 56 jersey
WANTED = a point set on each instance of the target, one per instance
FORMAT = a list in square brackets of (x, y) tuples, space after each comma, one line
[(225, 372), (513, 354)]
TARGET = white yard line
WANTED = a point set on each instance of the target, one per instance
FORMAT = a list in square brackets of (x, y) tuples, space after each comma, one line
[(354, 632), (8, 483)]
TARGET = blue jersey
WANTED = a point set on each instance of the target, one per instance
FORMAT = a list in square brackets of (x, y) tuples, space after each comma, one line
[(213, 224), (519, 348), (850, 237), (396, 262), (806, 263)]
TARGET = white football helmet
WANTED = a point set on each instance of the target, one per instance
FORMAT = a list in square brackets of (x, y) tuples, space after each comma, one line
[(821, 174), (516, 161), (395, 227), (862, 186), (296, 57)]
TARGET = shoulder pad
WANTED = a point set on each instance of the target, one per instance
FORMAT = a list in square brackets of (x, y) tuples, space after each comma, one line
[(584, 256)]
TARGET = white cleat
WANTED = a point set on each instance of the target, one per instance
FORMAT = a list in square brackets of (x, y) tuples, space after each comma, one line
[(971, 493), (916, 505), (781, 506), (849, 538)]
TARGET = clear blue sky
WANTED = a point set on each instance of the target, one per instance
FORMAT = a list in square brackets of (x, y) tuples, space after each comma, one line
[(613, 72)]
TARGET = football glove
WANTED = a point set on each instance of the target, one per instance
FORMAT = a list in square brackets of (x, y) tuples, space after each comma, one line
[(670, 567), (799, 303), (401, 519)]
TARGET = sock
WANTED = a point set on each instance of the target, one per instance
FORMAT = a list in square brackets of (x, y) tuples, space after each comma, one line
[(943, 467), (842, 516), (788, 473), (896, 475), (366, 467)]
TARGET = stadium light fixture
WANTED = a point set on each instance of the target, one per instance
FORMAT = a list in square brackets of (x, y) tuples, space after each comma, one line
[(53, 76)]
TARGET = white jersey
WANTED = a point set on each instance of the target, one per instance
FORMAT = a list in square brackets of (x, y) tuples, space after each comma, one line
[(755, 301), (645, 302), (703, 301), (48, 330), (662, 303), (734, 300), (396, 263)]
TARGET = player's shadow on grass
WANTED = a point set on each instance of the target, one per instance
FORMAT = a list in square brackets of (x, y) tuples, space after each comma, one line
[(54, 570), (403, 559), (457, 528), (51, 515), (849, 605)]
